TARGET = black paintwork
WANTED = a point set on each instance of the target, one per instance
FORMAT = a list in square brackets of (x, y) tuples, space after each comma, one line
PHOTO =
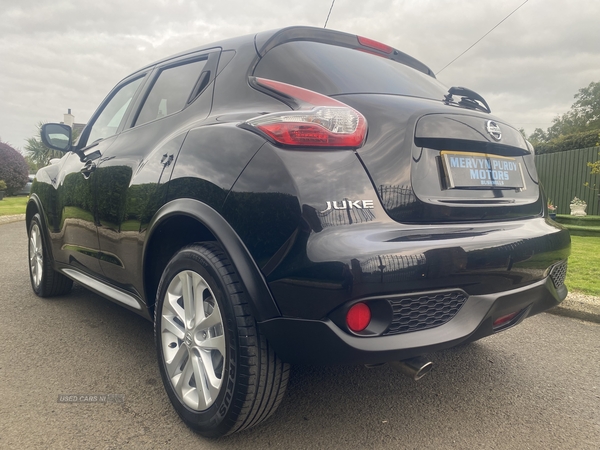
[(119, 209)]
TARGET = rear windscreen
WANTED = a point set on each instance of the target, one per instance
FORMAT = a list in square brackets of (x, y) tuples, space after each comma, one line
[(331, 70)]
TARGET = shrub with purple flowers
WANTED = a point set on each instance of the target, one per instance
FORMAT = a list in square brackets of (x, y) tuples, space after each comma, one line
[(13, 168)]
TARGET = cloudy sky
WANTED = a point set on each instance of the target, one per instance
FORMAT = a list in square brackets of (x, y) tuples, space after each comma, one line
[(59, 54)]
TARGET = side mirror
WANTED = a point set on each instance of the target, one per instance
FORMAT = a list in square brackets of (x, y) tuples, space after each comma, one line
[(56, 136)]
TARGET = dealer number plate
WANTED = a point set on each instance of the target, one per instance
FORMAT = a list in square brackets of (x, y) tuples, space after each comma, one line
[(481, 170)]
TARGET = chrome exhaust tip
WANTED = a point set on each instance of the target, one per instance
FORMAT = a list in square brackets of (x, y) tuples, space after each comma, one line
[(415, 368)]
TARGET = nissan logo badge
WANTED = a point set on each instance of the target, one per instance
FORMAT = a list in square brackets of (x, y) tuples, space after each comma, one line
[(494, 130)]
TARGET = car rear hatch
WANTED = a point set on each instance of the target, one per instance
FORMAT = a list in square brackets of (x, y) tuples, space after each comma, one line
[(435, 163), (431, 159)]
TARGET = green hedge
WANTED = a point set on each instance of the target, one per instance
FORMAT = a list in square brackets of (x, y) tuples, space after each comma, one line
[(573, 141), (585, 221), (580, 226)]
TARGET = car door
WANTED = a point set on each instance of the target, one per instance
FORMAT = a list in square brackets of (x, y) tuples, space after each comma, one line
[(131, 174), (77, 237)]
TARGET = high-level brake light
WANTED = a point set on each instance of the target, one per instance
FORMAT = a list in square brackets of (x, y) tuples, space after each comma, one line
[(375, 45), (320, 121)]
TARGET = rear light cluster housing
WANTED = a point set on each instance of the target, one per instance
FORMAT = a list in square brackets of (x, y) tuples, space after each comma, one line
[(317, 121)]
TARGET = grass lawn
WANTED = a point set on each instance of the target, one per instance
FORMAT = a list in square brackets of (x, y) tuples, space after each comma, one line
[(73, 212), (13, 205), (584, 265)]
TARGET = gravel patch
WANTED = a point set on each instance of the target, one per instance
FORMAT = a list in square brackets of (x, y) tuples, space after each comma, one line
[(13, 218), (578, 297), (579, 306)]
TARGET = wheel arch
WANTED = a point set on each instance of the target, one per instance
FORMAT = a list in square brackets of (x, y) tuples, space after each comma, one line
[(184, 221), (34, 206)]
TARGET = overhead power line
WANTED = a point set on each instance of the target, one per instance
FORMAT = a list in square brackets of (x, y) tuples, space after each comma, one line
[(327, 20), (478, 40)]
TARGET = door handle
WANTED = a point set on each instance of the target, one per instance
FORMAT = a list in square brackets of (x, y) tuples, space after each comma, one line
[(88, 168)]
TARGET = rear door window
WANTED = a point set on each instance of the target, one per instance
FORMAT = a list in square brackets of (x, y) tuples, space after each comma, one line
[(330, 70), (170, 91)]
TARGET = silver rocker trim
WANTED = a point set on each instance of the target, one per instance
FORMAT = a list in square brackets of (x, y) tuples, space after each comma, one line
[(101, 288)]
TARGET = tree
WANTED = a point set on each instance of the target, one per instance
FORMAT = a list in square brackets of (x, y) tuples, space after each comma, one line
[(587, 106), (594, 167), (13, 168), (537, 136), (564, 125), (33, 166), (584, 116), (577, 128), (37, 152)]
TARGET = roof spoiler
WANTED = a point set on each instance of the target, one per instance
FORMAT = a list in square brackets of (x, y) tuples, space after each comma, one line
[(267, 40)]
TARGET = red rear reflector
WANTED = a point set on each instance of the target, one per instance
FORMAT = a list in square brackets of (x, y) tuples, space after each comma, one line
[(375, 45), (358, 317), (321, 121), (504, 319)]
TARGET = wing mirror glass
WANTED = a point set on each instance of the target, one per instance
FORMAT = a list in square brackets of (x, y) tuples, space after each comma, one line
[(56, 136)]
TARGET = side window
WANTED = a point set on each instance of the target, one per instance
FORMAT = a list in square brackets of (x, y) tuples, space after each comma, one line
[(170, 91), (111, 116)]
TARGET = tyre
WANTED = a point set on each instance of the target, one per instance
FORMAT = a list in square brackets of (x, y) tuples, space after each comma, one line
[(45, 281), (219, 372)]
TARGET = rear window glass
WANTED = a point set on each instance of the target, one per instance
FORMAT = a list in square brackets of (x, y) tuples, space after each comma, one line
[(170, 91), (332, 70)]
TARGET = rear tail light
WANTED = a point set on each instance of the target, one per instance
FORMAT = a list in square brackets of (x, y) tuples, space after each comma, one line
[(317, 127), (319, 121)]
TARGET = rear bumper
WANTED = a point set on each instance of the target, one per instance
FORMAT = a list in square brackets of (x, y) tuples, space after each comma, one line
[(301, 341), (343, 264)]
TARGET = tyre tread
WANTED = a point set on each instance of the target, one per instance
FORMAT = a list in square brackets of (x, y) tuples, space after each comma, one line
[(53, 283), (262, 376)]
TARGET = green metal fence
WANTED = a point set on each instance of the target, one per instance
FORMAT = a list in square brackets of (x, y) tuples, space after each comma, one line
[(564, 174)]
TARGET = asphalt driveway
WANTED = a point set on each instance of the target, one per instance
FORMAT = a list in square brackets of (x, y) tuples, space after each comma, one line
[(534, 386)]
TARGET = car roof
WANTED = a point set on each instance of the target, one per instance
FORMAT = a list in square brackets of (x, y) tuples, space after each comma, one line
[(226, 44), (266, 40)]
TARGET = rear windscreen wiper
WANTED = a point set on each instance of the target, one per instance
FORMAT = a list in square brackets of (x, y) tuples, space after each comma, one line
[(469, 99)]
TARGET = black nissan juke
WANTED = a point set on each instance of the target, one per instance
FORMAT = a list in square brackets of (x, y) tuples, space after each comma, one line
[(295, 196)]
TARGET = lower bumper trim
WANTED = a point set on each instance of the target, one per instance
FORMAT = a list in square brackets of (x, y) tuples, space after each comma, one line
[(300, 341)]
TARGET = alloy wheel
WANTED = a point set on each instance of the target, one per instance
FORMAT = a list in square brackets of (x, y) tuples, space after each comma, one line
[(193, 342), (36, 255)]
